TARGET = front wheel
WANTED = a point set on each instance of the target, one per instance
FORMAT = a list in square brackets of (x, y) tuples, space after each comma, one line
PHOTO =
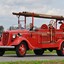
[(61, 51), (21, 50), (39, 51)]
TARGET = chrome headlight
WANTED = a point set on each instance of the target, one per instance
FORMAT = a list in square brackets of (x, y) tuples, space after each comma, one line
[(14, 36)]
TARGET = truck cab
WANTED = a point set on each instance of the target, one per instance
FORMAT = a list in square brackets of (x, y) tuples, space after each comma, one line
[(39, 39)]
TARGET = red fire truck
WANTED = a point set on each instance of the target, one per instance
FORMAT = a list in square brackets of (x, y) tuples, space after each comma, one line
[(38, 39)]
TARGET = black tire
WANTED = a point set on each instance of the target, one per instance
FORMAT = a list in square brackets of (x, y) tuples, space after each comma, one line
[(39, 51), (61, 51), (21, 49), (2, 51)]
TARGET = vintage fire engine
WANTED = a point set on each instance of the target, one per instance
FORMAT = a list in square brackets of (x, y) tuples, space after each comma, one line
[(39, 39)]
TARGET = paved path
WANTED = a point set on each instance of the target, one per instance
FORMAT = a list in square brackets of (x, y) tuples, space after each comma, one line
[(30, 57)]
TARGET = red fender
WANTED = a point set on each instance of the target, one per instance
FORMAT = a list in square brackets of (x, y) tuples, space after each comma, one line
[(59, 42), (18, 40), (1, 44)]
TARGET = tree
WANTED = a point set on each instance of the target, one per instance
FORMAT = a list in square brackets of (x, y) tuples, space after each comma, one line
[(1, 29)]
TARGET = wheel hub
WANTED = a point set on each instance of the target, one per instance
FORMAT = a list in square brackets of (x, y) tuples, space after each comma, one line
[(22, 50)]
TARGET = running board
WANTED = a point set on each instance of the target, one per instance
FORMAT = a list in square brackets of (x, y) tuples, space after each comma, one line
[(11, 47)]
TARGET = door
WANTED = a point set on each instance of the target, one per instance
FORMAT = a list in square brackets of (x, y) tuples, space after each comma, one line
[(45, 36)]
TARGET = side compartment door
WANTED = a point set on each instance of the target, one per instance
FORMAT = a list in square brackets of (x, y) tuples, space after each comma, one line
[(45, 36)]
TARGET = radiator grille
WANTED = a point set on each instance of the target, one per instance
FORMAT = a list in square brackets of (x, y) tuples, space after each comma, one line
[(5, 38)]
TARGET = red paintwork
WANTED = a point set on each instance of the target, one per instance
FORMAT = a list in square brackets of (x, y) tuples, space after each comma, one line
[(45, 37)]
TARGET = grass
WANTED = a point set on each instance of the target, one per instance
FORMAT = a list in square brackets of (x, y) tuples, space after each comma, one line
[(13, 52), (54, 51), (29, 52), (36, 62), (10, 52)]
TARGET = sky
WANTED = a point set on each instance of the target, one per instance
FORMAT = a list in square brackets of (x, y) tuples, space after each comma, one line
[(53, 7)]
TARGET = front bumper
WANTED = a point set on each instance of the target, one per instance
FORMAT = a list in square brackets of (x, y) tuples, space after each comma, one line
[(9, 47)]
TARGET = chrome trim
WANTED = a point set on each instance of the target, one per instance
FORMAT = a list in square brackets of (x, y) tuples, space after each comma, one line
[(7, 46)]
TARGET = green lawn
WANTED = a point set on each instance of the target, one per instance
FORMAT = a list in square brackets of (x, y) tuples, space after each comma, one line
[(36, 62), (29, 52)]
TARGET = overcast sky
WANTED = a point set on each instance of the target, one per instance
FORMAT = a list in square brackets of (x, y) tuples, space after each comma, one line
[(55, 7)]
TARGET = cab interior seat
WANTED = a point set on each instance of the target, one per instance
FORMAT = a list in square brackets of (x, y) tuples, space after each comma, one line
[(44, 26)]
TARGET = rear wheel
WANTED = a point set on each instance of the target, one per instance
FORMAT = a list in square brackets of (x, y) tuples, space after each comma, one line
[(39, 51), (21, 49), (2, 51), (61, 51)]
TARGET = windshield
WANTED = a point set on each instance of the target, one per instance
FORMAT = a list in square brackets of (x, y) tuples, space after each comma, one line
[(15, 27)]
